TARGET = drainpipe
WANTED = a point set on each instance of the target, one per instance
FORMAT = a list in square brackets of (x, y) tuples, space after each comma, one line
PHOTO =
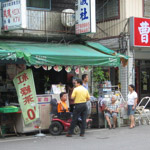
[(92, 88)]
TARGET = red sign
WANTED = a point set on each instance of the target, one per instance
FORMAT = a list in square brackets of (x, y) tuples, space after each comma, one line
[(141, 32)]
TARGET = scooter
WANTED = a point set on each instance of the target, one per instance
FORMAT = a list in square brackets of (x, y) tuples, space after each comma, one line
[(59, 125)]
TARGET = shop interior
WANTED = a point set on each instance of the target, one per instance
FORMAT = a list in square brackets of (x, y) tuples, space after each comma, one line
[(44, 80)]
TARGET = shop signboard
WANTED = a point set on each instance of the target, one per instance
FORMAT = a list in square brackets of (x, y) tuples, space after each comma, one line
[(85, 16), (25, 88), (14, 15), (140, 32)]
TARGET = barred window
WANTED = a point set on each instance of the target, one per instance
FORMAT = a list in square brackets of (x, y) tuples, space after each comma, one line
[(107, 10), (146, 8), (43, 4)]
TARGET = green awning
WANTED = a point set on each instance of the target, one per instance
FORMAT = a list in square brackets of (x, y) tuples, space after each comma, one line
[(105, 50), (56, 54), (100, 47)]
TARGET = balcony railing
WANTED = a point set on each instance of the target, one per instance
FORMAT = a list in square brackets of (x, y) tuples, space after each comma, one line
[(48, 21)]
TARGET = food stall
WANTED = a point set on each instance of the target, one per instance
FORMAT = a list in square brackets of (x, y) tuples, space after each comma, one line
[(57, 60)]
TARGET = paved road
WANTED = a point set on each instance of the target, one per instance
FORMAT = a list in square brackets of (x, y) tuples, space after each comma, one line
[(95, 139)]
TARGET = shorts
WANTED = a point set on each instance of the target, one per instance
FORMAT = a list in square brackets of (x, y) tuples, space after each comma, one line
[(130, 110), (111, 115)]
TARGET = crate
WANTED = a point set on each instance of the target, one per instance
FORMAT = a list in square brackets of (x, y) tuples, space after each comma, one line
[(9, 109)]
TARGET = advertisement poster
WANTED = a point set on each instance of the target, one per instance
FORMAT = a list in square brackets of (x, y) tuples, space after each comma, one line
[(14, 15), (27, 98)]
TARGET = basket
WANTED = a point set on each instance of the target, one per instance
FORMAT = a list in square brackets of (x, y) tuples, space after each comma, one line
[(9, 109)]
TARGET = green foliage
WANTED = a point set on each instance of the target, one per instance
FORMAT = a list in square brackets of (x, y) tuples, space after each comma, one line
[(98, 77), (47, 80), (96, 93)]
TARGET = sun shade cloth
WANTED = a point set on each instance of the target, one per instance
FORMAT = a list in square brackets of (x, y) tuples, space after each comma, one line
[(106, 50), (56, 54)]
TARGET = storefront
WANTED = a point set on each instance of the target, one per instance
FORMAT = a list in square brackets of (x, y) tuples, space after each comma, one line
[(140, 46), (52, 63)]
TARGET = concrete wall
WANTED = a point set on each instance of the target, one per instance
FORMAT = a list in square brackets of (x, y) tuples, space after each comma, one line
[(112, 28), (42, 23)]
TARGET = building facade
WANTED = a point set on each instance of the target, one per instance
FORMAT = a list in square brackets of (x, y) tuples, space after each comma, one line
[(44, 23), (113, 31)]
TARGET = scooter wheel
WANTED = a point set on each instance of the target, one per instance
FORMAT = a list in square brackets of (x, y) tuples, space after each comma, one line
[(55, 128), (76, 130)]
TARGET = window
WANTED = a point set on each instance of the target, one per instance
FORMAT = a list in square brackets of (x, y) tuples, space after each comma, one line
[(146, 8), (59, 5), (43, 4), (107, 10)]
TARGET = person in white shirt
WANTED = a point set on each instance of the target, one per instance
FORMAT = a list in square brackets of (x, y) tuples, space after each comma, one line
[(132, 102)]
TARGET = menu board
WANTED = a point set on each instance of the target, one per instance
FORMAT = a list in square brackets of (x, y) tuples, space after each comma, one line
[(58, 88)]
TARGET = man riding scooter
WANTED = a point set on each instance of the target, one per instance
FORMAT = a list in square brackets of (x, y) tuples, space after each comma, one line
[(62, 107), (62, 119)]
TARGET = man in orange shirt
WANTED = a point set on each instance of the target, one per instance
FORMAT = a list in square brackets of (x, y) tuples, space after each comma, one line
[(62, 105)]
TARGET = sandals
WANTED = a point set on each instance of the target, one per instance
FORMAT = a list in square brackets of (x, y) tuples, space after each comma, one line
[(110, 127)]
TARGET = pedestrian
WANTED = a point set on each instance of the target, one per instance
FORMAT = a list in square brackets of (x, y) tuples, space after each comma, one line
[(132, 102), (80, 96), (85, 80), (85, 85)]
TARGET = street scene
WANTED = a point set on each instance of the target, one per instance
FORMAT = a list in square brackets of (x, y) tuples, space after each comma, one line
[(74, 74)]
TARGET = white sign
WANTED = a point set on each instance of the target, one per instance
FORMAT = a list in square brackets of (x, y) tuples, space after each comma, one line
[(57, 88), (85, 16), (14, 15)]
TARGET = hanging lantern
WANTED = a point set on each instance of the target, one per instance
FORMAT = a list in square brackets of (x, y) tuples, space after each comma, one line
[(45, 67), (77, 70), (90, 68), (68, 69), (86, 68), (58, 68), (49, 67), (82, 70), (37, 66)]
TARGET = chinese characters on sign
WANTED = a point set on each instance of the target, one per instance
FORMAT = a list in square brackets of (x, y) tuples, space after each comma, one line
[(140, 31), (14, 14), (84, 10), (144, 31), (27, 96)]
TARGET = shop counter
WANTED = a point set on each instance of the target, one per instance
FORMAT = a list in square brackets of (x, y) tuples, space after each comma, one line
[(45, 117)]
